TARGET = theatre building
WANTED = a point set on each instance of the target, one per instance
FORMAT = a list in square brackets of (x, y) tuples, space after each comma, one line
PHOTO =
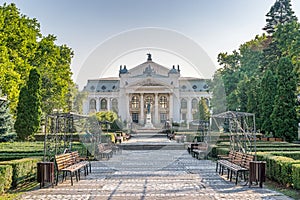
[(147, 89)]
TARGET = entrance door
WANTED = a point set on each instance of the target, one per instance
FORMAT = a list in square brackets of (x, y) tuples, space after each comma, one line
[(135, 117)]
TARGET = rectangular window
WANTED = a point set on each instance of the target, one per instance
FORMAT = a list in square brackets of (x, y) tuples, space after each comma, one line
[(183, 116), (135, 117), (163, 117)]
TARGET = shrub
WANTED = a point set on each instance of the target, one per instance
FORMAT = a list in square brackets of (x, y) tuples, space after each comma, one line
[(296, 176), (5, 178), (23, 169)]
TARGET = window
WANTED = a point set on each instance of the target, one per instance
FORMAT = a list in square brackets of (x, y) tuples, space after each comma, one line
[(135, 117), (135, 102), (183, 104), (163, 117), (115, 105), (103, 87), (163, 102), (194, 87), (92, 104), (183, 87), (194, 104), (103, 104), (184, 116)]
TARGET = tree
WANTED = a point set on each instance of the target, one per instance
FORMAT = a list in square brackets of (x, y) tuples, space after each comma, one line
[(29, 107), (268, 89), (204, 113), (218, 101), (230, 76), (54, 63), (284, 116), (280, 13)]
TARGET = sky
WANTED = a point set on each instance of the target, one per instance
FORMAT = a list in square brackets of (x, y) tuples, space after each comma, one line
[(85, 25)]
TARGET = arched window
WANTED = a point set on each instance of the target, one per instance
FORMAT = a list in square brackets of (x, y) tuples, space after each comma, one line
[(183, 104), (194, 104), (115, 105), (92, 104), (103, 104), (135, 102), (163, 102)]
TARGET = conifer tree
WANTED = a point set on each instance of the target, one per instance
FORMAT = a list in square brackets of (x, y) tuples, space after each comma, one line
[(29, 107), (280, 13), (267, 95), (284, 116)]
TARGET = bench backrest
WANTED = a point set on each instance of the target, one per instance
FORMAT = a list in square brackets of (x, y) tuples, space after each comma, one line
[(63, 160), (75, 157), (246, 161), (202, 146), (238, 158)]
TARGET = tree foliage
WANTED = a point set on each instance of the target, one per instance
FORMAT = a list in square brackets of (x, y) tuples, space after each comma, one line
[(204, 113), (267, 96), (29, 107), (23, 47), (261, 77), (280, 13), (284, 117)]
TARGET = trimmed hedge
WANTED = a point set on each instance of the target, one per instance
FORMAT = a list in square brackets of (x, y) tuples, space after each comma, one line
[(5, 178), (296, 176), (279, 168), (23, 169)]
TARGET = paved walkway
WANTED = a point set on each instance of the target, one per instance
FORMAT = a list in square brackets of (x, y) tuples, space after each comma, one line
[(153, 174)]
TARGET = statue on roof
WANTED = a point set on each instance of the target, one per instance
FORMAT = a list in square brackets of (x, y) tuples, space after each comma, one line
[(149, 57)]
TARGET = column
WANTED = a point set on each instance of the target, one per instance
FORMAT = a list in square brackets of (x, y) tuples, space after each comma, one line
[(127, 106), (171, 107), (189, 111), (156, 109), (97, 104), (142, 121), (108, 103)]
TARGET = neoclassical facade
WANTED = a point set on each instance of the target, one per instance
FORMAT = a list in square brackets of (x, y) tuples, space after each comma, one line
[(147, 88)]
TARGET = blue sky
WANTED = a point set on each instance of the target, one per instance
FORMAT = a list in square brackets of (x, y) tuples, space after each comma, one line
[(216, 25)]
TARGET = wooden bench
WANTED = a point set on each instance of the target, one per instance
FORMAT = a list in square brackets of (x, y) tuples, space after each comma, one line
[(199, 150), (67, 163), (237, 163), (84, 161), (104, 151)]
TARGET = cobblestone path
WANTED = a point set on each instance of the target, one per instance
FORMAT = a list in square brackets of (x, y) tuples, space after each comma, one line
[(156, 174)]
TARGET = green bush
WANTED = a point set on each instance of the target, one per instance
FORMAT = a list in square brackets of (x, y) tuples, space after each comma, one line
[(294, 154), (23, 169), (279, 168), (296, 176), (5, 178)]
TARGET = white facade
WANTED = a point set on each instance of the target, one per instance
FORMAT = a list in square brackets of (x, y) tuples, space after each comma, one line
[(148, 87)]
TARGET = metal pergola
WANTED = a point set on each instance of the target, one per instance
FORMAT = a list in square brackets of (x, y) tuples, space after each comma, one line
[(241, 127), (58, 132)]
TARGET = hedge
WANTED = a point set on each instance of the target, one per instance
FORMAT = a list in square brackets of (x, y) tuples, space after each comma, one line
[(23, 169), (5, 178), (279, 168), (296, 176)]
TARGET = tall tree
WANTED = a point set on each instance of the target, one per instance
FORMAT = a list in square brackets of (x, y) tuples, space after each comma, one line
[(29, 107), (231, 76), (284, 116), (204, 113), (280, 13), (218, 101), (267, 93)]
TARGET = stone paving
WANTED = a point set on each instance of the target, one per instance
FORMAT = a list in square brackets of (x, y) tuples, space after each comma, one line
[(154, 175)]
